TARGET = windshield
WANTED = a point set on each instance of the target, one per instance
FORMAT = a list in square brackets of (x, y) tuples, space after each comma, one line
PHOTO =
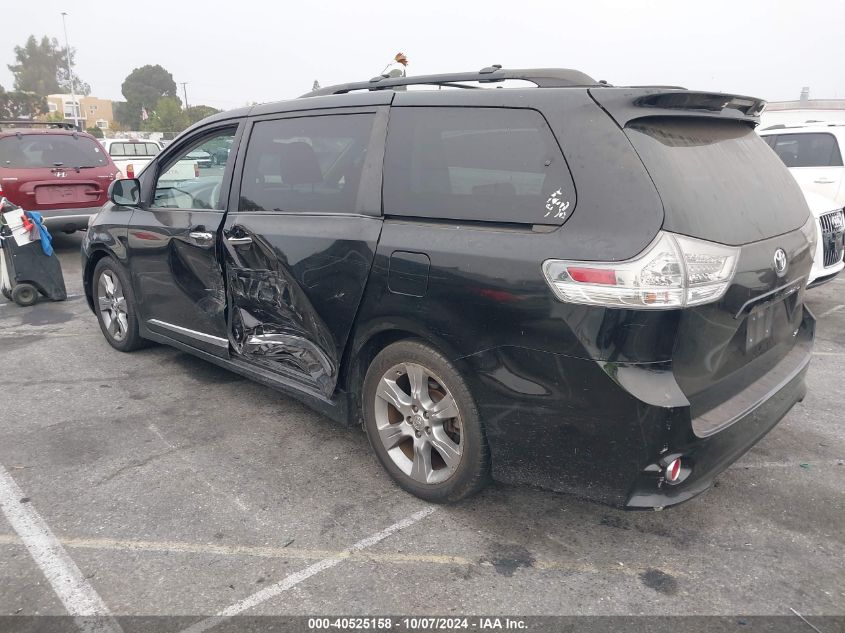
[(33, 151)]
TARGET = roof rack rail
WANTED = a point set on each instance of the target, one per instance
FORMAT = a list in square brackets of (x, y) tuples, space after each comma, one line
[(13, 123), (541, 77)]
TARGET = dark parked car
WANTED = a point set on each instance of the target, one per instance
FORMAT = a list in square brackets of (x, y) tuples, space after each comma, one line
[(201, 157), (220, 155), (60, 173), (582, 287)]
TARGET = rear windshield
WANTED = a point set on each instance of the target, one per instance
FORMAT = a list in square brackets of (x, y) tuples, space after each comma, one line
[(133, 149), (32, 151), (816, 149), (487, 164), (717, 179)]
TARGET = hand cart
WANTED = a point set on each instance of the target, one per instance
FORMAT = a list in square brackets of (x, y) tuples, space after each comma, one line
[(25, 270)]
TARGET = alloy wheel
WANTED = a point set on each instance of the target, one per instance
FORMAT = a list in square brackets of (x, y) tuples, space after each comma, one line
[(419, 423), (112, 304)]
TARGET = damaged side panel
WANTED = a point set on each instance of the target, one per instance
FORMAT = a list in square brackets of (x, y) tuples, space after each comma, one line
[(273, 321), (294, 291)]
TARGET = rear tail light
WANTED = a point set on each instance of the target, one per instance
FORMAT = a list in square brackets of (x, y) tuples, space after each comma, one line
[(672, 272), (196, 170), (130, 171)]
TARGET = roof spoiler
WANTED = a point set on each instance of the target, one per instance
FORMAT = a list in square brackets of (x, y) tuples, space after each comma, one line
[(626, 105)]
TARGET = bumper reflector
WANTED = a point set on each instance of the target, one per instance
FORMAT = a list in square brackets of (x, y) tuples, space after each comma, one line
[(673, 470)]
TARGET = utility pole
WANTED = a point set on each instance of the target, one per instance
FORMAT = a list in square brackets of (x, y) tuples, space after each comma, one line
[(74, 105), (185, 93)]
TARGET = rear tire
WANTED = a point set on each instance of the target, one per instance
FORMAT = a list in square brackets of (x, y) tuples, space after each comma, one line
[(25, 295), (423, 424), (114, 303)]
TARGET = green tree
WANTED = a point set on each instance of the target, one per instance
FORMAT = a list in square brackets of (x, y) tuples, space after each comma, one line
[(18, 105), (127, 117), (199, 112), (41, 68), (144, 86), (95, 132), (167, 116)]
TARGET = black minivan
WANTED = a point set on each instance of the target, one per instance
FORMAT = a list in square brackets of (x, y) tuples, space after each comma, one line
[(587, 288)]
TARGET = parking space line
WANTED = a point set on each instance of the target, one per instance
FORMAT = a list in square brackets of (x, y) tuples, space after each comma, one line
[(289, 553), (75, 592), (792, 464), (831, 311), (297, 577), (173, 447)]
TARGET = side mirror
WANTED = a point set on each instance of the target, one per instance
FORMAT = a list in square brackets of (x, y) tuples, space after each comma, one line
[(126, 193)]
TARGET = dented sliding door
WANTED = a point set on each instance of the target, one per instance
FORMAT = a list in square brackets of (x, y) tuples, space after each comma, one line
[(299, 247)]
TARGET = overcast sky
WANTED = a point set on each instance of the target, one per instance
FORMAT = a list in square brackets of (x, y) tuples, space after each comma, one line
[(235, 52)]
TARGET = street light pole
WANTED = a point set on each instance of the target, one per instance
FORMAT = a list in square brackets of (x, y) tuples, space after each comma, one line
[(74, 106), (185, 92)]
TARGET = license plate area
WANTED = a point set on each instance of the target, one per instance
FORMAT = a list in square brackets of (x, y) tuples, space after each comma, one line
[(65, 194), (759, 325)]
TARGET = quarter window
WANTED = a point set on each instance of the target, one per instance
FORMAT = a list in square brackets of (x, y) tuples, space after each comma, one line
[(488, 164), (808, 150), (192, 180), (305, 164)]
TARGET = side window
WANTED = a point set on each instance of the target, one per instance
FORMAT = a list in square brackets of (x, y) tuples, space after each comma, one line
[(771, 140), (489, 164), (192, 180), (305, 164), (808, 150)]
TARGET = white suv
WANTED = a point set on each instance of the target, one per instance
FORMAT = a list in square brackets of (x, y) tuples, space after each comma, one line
[(812, 153)]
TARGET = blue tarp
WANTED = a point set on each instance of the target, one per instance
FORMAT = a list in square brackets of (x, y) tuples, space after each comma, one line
[(46, 239)]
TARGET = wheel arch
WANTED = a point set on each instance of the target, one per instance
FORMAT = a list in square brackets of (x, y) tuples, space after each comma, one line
[(368, 342), (88, 273)]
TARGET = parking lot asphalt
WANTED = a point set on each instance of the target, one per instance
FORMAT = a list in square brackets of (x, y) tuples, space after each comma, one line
[(177, 488)]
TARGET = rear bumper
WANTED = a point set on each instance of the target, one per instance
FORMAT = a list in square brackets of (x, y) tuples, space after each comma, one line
[(604, 431), (704, 458), (68, 220)]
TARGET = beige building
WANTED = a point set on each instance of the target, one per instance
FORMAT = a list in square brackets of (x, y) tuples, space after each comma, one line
[(89, 111)]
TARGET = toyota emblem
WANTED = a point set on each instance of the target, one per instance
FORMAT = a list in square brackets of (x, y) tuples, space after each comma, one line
[(781, 263)]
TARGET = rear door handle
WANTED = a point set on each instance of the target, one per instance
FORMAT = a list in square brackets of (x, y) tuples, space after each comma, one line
[(239, 241), (201, 238), (824, 181)]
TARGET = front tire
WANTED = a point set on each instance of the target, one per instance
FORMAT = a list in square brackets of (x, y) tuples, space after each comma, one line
[(423, 424), (114, 304)]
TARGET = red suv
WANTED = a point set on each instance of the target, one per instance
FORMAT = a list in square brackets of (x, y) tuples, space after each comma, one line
[(59, 172)]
